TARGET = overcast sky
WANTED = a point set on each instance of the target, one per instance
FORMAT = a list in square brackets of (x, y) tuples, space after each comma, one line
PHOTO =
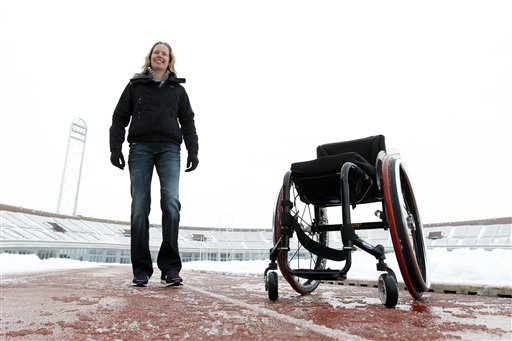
[(268, 81)]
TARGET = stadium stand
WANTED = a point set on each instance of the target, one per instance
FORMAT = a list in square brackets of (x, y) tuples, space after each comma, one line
[(477, 236), (51, 235)]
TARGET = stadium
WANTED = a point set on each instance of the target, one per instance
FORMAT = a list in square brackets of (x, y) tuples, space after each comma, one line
[(51, 235)]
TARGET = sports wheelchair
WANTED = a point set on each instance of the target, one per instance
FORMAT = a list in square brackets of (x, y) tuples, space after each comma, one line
[(346, 174)]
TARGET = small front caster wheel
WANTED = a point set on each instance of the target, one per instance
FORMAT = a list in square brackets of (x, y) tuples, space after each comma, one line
[(272, 285), (388, 290)]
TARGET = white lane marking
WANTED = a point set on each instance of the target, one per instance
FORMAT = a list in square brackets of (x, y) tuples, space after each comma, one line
[(334, 333)]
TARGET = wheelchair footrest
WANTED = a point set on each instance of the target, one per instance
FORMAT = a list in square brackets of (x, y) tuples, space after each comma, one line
[(324, 274)]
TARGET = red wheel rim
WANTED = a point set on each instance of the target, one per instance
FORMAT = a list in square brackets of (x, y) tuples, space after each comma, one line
[(394, 233)]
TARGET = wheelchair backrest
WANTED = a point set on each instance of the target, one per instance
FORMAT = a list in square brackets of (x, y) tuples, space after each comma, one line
[(368, 148)]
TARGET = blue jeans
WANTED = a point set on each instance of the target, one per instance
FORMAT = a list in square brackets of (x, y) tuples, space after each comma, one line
[(165, 157)]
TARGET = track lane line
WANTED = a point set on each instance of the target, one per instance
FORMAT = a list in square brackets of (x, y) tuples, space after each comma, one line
[(326, 331)]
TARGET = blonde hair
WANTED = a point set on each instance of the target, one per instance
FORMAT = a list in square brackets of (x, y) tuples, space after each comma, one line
[(172, 59)]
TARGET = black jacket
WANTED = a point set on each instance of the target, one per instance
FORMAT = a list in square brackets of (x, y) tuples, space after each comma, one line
[(159, 112)]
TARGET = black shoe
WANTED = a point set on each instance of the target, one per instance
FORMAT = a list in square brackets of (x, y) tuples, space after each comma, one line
[(140, 281), (172, 279)]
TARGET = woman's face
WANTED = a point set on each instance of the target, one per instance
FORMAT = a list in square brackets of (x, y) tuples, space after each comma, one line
[(160, 58)]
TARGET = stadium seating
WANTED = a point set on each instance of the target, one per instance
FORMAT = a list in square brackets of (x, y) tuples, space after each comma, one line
[(51, 235)]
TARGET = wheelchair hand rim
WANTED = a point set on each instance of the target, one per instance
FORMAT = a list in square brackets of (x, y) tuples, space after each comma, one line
[(282, 257), (411, 272)]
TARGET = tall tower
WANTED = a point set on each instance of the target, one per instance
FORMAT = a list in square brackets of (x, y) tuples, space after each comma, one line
[(70, 182)]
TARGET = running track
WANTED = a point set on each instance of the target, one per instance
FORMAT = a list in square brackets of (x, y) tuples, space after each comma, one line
[(100, 304)]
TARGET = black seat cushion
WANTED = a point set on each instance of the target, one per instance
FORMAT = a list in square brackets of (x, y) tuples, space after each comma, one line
[(330, 165), (318, 180), (368, 147), (331, 157)]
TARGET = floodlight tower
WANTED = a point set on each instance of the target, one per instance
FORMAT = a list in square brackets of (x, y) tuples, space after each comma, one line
[(70, 182)]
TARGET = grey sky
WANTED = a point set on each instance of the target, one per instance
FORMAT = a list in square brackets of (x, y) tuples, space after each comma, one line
[(268, 81)]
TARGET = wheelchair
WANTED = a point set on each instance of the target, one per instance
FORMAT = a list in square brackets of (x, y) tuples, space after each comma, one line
[(346, 174)]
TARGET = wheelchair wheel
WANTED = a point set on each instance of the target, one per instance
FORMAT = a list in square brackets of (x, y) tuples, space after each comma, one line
[(405, 226), (388, 290), (299, 257), (272, 286)]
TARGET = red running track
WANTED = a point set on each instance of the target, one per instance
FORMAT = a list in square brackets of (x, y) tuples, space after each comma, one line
[(100, 304)]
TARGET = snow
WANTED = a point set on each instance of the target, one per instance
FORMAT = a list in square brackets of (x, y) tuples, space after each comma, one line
[(14, 263), (460, 266)]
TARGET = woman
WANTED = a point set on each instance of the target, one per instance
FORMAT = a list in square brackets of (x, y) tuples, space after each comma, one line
[(161, 118)]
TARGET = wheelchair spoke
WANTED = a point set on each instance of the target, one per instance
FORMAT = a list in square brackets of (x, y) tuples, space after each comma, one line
[(298, 257), (415, 232)]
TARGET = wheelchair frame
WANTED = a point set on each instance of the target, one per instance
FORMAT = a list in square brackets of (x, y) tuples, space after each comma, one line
[(399, 214)]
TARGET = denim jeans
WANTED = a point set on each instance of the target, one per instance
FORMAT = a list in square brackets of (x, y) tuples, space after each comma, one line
[(165, 157)]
